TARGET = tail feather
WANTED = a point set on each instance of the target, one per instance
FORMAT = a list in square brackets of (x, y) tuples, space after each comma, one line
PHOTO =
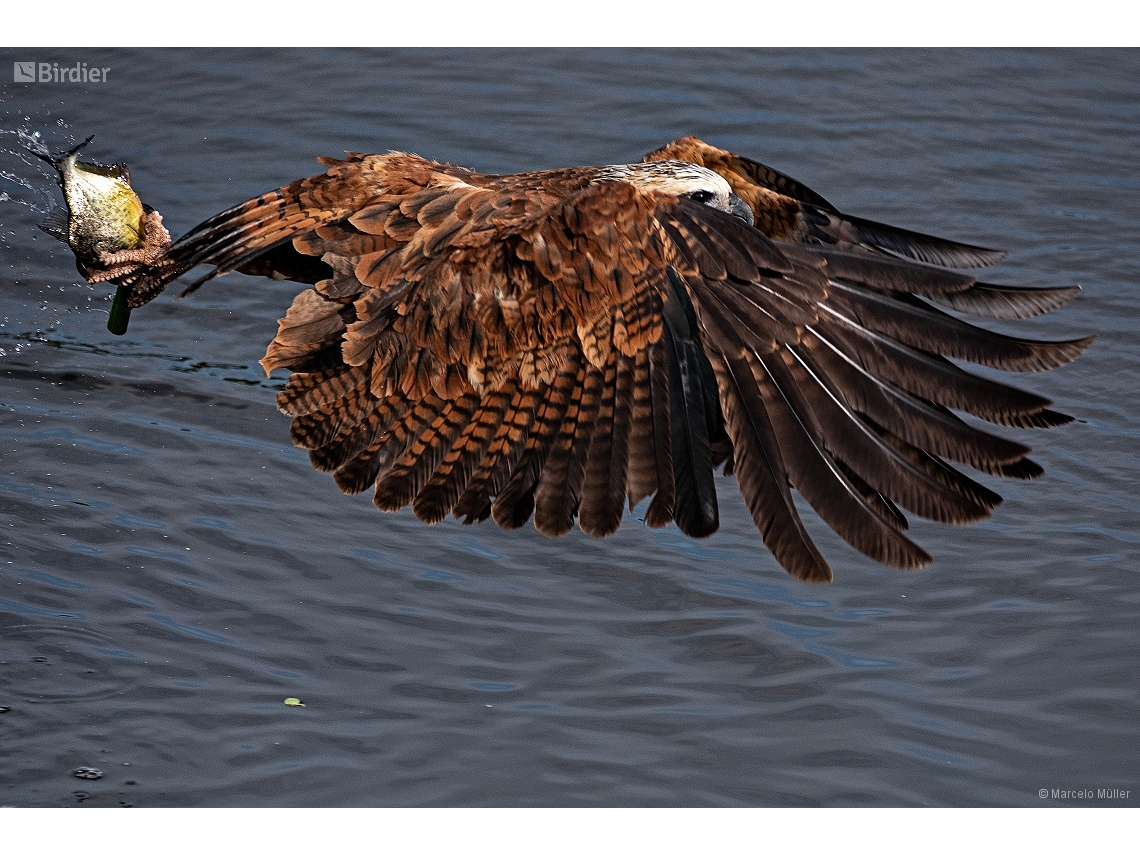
[(308, 391), (643, 453), (349, 443), (323, 426)]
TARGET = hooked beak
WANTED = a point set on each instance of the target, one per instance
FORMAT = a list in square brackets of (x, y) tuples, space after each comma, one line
[(739, 208)]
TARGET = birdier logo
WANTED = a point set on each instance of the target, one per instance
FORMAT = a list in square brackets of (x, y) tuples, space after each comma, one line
[(53, 72)]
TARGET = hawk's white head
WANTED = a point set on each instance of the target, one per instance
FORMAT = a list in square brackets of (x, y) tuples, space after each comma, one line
[(682, 179)]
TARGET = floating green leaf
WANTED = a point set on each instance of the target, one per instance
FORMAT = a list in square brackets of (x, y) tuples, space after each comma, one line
[(293, 702)]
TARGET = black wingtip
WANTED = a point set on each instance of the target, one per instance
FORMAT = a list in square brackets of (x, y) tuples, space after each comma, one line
[(923, 247), (1004, 302)]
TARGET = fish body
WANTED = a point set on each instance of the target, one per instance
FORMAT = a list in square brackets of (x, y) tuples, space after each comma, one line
[(110, 231), (103, 213)]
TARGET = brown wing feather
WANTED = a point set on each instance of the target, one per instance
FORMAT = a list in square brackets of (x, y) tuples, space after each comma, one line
[(450, 479), (602, 500), (515, 502), (559, 486), (643, 453), (400, 484), (500, 458)]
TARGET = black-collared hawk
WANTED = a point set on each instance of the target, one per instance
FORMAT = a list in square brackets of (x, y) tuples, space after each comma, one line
[(565, 344)]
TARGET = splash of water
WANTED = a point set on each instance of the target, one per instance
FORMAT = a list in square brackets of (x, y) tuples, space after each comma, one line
[(33, 187)]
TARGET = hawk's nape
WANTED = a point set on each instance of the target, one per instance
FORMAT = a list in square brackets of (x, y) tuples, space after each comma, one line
[(567, 344)]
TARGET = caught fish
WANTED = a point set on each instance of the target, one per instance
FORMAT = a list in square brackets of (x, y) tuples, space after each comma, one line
[(107, 226)]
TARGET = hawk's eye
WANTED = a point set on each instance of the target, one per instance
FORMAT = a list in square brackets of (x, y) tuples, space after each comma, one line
[(702, 196)]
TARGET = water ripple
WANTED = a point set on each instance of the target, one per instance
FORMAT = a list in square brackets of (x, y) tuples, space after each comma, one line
[(171, 568)]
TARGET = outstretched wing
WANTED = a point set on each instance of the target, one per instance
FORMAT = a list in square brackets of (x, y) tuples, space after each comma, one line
[(540, 345), (834, 379), (786, 210)]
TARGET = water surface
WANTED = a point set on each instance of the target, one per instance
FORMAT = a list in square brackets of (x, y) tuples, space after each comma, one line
[(171, 569)]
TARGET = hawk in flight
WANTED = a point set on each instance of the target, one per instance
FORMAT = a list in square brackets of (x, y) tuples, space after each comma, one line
[(566, 343)]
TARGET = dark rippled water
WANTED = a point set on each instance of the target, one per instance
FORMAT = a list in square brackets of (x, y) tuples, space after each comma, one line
[(171, 569)]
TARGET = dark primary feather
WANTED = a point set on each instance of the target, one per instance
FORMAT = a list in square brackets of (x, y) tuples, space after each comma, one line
[(564, 344), (693, 417)]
